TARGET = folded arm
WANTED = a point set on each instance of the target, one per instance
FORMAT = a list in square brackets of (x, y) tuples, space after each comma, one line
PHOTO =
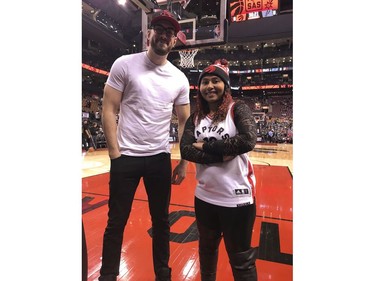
[(218, 151)]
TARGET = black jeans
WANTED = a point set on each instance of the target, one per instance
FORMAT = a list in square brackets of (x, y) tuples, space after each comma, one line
[(84, 255), (125, 174), (235, 225)]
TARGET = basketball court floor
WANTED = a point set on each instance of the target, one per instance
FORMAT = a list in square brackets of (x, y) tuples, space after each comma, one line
[(273, 230)]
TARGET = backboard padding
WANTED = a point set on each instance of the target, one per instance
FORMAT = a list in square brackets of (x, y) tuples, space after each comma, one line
[(204, 23)]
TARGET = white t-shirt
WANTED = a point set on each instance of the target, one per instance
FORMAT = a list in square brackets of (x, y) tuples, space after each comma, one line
[(149, 92), (230, 183)]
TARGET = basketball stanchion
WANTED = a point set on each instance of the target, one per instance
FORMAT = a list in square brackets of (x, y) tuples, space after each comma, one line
[(187, 57)]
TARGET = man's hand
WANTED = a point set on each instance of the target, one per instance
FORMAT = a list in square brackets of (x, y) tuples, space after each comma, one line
[(114, 153), (179, 172)]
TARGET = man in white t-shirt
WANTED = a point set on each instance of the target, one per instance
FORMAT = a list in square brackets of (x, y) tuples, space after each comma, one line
[(142, 89)]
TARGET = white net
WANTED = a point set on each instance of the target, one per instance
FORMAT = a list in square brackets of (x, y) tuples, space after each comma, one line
[(187, 57)]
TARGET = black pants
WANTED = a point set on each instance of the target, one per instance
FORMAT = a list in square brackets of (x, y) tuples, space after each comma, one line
[(84, 255), (235, 225), (125, 174)]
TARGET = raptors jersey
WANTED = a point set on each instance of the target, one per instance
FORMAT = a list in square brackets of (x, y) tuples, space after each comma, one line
[(230, 183)]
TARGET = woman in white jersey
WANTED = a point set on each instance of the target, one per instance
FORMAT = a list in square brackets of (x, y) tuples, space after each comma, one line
[(217, 137)]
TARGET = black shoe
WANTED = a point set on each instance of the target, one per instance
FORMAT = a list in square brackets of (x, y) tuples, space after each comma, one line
[(163, 274), (110, 277)]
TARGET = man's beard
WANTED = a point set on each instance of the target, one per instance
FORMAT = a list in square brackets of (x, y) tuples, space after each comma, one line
[(161, 51)]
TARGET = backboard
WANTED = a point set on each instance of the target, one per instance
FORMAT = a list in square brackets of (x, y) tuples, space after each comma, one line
[(204, 23)]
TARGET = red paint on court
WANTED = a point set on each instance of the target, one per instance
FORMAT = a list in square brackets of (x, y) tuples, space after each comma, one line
[(273, 230)]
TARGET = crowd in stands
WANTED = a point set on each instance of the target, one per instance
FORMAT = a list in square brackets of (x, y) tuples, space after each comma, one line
[(273, 112), (274, 117), (92, 130), (274, 124), (92, 135)]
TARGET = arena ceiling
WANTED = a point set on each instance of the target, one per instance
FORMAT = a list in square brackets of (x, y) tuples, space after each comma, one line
[(278, 28), (242, 35)]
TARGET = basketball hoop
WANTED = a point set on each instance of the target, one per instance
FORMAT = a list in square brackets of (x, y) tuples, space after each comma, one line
[(187, 57)]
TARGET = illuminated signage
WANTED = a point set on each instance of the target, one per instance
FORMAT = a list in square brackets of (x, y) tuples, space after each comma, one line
[(94, 69), (239, 7)]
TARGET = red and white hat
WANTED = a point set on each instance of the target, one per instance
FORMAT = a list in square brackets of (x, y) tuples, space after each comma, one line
[(166, 16), (219, 68)]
